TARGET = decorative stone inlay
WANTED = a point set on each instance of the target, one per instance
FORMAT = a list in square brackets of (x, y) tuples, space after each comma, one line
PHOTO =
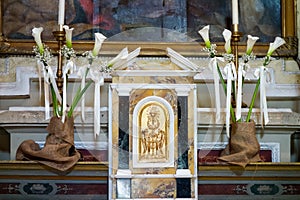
[(273, 147)]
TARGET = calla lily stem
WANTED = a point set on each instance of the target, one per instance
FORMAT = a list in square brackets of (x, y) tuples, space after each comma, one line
[(253, 100), (79, 94)]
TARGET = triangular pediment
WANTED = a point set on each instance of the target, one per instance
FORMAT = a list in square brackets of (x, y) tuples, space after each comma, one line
[(174, 65)]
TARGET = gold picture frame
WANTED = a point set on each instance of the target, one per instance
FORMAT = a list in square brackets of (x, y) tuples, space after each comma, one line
[(288, 18)]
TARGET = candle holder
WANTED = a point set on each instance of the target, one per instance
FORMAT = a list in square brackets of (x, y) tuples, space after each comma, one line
[(60, 37), (236, 35)]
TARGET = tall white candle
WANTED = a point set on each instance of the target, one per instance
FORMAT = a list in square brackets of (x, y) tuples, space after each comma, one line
[(61, 13), (235, 12)]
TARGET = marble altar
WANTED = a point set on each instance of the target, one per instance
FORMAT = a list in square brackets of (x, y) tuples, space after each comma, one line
[(22, 117), (152, 133)]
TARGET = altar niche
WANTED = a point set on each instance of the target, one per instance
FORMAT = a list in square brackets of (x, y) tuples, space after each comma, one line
[(152, 139), (153, 131)]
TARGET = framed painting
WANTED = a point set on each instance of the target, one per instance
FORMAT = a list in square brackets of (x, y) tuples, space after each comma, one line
[(152, 25)]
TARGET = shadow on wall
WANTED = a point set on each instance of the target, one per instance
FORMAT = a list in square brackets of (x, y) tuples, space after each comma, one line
[(4, 145), (295, 147)]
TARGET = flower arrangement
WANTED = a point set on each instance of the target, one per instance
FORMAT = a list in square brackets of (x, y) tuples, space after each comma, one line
[(43, 55), (59, 151), (237, 76), (95, 72)]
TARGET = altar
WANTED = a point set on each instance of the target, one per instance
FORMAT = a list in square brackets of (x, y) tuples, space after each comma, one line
[(95, 176), (153, 131), (157, 119)]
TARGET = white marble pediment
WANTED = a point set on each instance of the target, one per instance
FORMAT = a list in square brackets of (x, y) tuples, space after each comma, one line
[(175, 65)]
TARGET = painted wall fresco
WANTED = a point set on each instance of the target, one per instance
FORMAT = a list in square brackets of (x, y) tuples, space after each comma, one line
[(257, 17)]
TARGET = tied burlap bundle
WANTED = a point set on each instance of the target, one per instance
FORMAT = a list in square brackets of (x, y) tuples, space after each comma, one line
[(58, 152), (243, 146)]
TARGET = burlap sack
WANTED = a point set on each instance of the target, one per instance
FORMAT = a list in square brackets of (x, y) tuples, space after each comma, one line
[(243, 146), (58, 152)]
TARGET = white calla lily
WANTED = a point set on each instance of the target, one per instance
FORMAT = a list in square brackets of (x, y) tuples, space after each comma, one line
[(250, 43), (121, 56), (36, 33), (276, 44), (204, 32), (68, 35), (227, 36), (99, 39)]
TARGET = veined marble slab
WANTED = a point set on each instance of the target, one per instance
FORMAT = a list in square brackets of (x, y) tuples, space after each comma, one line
[(278, 117)]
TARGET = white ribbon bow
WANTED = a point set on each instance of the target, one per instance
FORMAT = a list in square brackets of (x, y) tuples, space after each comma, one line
[(49, 78), (230, 71)]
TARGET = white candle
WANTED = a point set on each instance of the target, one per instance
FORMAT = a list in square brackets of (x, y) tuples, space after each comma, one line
[(61, 13), (235, 12)]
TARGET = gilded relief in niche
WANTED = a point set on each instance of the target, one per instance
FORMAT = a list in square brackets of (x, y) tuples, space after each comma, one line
[(153, 133)]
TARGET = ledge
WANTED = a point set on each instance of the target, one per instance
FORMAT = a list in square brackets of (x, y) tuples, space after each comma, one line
[(31, 165), (17, 116), (258, 166), (11, 165)]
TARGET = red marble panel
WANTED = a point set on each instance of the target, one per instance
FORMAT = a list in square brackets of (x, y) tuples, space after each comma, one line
[(222, 189), (86, 189), (206, 157)]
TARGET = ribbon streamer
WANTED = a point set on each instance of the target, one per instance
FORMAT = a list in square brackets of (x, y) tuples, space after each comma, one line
[(230, 77), (239, 97), (69, 67), (213, 65), (264, 116), (47, 97), (81, 73), (98, 78), (40, 69)]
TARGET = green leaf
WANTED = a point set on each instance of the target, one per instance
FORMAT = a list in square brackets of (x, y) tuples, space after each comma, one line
[(253, 100), (54, 102), (77, 97)]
